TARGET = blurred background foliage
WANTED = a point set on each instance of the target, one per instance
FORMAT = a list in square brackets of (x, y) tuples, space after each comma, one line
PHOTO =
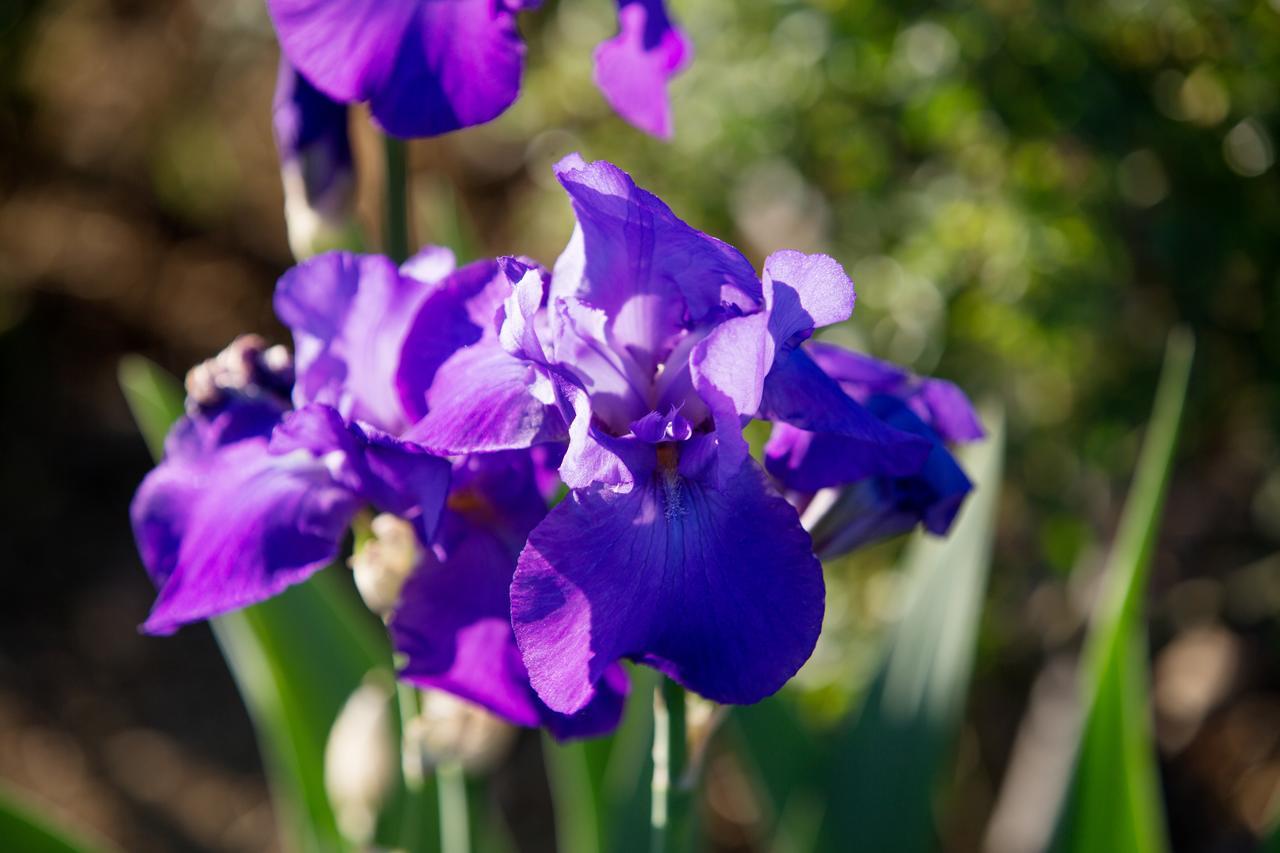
[(1028, 195)]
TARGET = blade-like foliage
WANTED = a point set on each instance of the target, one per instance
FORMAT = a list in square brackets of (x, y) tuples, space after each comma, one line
[(24, 827), (1114, 800), (887, 764), (295, 658)]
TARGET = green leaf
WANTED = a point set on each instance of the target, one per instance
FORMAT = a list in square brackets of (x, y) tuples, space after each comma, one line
[(295, 658), (887, 764), (24, 827), (154, 397), (1114, 800)]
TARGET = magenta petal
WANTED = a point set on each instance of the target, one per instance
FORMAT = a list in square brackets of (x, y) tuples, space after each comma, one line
[(718, 588), (633, 67)]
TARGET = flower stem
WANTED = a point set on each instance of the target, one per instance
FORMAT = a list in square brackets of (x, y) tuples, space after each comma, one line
[(455, 822), (671, 797), (395, 223)]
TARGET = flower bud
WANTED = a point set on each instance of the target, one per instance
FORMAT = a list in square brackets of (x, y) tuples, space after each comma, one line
[(450, 730), (316, 166), (383, 562), (360, 758), (246, 367)]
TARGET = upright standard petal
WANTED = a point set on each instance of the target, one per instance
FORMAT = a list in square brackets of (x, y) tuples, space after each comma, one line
[(649, 272), (717, 587), (425, 67), (350, 315), (633, 67)]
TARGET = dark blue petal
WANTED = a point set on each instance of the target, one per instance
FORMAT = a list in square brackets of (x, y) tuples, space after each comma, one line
[(718, 588)]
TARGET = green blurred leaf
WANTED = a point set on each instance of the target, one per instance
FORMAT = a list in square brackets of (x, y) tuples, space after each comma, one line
[(887, 764), (295, 658), (24, 827), (154, 397), (1114, 801)]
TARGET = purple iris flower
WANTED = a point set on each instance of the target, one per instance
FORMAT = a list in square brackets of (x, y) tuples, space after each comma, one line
[(252, 498), (653, 344), (262, 477), (850, 502), (316, 165), (453, 623), (428, 67)]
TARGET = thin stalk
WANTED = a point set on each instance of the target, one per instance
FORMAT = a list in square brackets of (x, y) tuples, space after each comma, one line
[(455, 821), (395, 222), (671, 795)]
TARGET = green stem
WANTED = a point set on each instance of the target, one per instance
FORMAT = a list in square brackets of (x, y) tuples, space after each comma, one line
[(395, 223), (672, 798), (574, 801), (455, 822)]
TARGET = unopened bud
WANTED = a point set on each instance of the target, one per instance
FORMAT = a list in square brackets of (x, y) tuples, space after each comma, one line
[(316, 166), (360, 758), (382, 563), (454, 731), (246, 366)]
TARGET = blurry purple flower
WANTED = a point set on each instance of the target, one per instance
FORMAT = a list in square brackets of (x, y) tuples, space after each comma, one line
[(654, 343), (315, 164), (428, 67), (871, 505), (454, 620)]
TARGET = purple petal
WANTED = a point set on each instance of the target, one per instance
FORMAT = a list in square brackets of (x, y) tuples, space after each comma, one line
[(938, 403), (656, 427), (349, 315), (236, 529), (425, 67), (481, 401), (454, 620), (882, 507), (809, 292), (395, 476), (459, 311), (718, 588), (651, 274), (799, 393), (633, 67), (729, 369), (946, 408)]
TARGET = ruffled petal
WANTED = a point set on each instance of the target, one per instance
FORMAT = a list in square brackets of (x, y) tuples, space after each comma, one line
[(651, 274), (425, 68), (633, 67), (460, 310), (799, 393), (236, 530), (349, 315), (718, 588), (808, 292), (482, 400), (729, 368)]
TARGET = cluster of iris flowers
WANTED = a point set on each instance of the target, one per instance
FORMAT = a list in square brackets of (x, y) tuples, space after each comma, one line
[(457, 400)]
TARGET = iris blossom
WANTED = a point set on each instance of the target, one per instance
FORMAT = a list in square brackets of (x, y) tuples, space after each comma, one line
[(652, 344), (857, 505), (428, 67), (263, 477)]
